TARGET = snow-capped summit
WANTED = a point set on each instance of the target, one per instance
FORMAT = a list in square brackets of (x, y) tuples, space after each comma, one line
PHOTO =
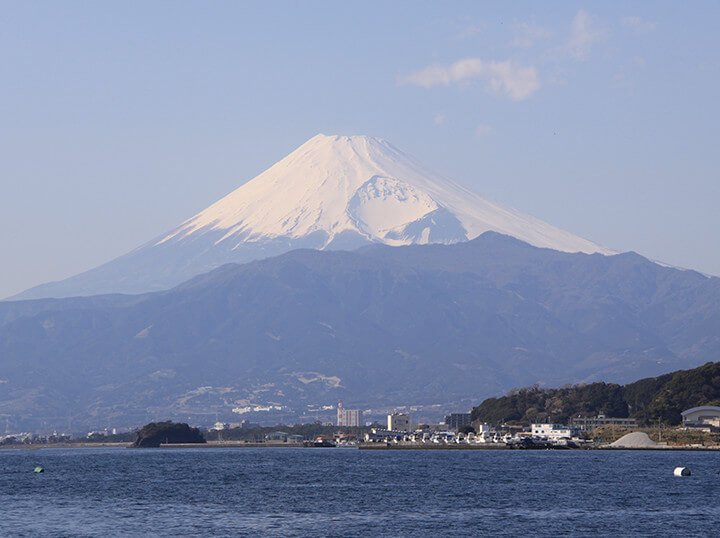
[(332, 192), (362, 186)]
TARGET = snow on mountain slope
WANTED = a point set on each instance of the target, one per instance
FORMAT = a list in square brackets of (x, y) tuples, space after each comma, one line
[(363, 185), (333, 192)]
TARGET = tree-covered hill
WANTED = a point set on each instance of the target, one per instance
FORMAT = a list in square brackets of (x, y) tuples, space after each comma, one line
[(651, 400), (168, 432)]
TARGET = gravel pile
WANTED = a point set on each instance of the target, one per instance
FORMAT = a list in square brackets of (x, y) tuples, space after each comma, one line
[(635, 440)]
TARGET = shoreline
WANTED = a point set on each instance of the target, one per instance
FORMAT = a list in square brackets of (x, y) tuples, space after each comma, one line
[(39, 446), (433, 446), (231, 444), (209, 444), (379, 446), (361, 446)]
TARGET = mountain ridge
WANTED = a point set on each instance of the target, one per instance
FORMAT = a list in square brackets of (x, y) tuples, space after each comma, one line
[(420, 324), (333, 193)]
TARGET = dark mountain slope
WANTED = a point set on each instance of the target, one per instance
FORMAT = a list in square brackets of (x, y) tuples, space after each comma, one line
[(383, 325)]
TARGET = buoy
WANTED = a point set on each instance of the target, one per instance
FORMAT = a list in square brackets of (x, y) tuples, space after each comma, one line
[(681, 471), (38, 469)]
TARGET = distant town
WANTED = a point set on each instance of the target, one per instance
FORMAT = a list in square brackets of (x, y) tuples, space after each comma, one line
[(700, 428), (679, 409)]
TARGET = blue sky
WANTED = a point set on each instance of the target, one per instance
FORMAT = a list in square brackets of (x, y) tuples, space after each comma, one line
[(120, 120)]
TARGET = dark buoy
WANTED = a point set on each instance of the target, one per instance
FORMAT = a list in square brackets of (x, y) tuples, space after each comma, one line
[(38, 469)]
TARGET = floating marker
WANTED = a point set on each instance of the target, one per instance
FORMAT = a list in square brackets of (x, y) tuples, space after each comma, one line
[(38, 469), (681, 471)]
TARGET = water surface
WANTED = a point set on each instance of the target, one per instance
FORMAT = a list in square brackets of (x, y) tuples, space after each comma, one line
[(297, 492)]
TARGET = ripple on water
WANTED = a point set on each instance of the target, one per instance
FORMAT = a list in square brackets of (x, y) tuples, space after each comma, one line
[(295, 492)]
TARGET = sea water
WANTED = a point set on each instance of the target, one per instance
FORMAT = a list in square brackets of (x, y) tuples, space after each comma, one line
[(346, 492)]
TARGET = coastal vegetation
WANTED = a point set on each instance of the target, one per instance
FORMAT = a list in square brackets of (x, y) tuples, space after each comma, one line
[(654, 400)]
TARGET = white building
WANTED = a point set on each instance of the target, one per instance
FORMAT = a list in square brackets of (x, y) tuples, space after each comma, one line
[(706, 415), (398, 422), (552, 432), (348, 417)]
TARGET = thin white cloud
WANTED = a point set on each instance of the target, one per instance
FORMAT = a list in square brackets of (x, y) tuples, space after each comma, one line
[(505, 78), (484, 130), (639, 25), (470, 27), (439, 118), (527, 34), (583, 36), (470, 30)]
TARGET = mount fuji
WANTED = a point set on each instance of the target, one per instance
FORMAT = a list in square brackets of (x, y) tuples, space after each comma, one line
[(332, 193)]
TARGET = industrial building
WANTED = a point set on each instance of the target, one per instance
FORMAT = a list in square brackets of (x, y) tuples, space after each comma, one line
[(398, 422), (455, 421), (590, 423), (707, 416), (349, 417)]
